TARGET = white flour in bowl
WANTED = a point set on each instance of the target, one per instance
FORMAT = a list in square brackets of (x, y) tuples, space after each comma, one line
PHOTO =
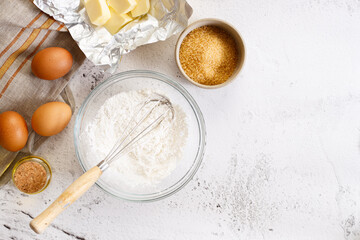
[(152, 159)]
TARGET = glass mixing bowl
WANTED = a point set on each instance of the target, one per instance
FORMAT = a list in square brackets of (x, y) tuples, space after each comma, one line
[(193, 150)]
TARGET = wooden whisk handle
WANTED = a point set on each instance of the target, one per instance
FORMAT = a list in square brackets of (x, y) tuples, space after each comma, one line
[(70, 195)]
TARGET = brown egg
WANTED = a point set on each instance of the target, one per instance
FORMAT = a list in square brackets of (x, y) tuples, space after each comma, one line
[(51, 118), (13, 131), (51, 63)]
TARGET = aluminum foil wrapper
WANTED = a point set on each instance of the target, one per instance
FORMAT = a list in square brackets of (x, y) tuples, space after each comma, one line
[(165, 18)]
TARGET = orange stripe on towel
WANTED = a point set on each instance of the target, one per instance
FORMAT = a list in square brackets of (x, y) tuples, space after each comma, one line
[(20, 33), (27, 59), (24, 47)]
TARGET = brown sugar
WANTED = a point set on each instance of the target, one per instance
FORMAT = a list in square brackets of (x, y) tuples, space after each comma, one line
[(209, 55), (30, 177)]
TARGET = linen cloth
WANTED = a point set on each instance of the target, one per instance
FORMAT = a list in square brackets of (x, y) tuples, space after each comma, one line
[(25, 30)]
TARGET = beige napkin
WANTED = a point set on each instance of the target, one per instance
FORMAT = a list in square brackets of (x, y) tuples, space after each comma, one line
[(25, 30)]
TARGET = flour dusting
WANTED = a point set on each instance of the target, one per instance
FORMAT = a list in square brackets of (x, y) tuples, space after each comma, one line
[(153, 158)]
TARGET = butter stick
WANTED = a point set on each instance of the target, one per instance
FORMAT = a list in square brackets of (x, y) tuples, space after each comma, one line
[(122, 6), (116, 21), (98, 11), (142, 8)]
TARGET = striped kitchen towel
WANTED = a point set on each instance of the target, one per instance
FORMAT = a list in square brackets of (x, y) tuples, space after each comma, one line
[(25, 30)]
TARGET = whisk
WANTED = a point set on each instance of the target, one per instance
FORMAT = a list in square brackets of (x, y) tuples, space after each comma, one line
[(157, 107)]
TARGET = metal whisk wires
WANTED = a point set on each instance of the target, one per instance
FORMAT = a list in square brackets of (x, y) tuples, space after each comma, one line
[(131, 135)]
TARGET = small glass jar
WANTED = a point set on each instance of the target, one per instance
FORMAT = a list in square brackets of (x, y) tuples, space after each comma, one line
[(31, 174)]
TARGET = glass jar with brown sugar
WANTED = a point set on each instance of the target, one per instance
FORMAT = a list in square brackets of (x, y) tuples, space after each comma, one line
[(31, 174)]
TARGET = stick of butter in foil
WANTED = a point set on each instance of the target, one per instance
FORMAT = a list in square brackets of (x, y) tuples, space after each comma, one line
[(98, 11), (164, 19), (142, 7), (114, 24), (122, 6)]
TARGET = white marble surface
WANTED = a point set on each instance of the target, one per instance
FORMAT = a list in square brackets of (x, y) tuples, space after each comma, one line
[(283, 153)]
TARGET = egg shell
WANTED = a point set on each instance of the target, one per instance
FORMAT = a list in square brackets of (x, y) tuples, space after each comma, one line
[(13, 131), (51, 63), (51, 118)]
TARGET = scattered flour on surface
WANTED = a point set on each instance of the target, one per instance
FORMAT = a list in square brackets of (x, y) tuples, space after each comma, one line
[(150, 160)]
